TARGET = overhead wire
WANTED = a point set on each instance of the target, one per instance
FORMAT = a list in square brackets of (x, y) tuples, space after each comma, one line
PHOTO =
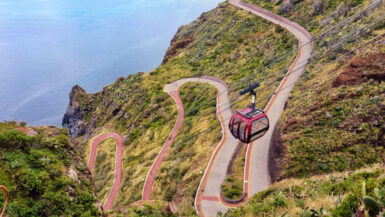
[(298, 67), (307, 87), (292, 51), (312, 85), (303, 63), (239, 99), (197, 133)]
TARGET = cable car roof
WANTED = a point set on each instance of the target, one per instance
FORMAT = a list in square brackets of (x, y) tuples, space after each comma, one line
[(251, 114)]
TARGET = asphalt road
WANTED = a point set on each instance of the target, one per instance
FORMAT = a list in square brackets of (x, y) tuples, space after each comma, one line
[(118, 164), (149, 181)]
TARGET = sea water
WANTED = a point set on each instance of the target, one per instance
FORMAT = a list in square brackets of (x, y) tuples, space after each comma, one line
[(47, 46)]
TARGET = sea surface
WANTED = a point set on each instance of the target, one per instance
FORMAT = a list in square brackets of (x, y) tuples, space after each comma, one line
[(47, 46)]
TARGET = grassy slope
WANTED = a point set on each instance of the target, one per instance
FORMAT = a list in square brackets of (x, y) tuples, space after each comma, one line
[(336, 128), (104, 168), (349, 141), (227, 43), (328, 126), (43, 173), (180, 172), (332, 127), (339, 194)]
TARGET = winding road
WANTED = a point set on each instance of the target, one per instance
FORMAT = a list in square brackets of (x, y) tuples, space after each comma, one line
[(256, 178), (118, 164), (149, 182), (208, 201), (5, 190)]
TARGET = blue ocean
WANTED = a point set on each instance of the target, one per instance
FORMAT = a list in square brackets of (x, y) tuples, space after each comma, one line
[(47, 46)]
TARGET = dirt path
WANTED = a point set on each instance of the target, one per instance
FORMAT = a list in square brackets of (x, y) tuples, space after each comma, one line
[(118, 164)]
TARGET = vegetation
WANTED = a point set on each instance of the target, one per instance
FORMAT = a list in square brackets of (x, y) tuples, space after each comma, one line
[(144, 209), (182, 169), (336, 194), (104, 168), (343, 126), (337, 125), (314, 15), (43, 174)]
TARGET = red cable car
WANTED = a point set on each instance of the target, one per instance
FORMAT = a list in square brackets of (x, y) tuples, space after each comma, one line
[(250, 123)]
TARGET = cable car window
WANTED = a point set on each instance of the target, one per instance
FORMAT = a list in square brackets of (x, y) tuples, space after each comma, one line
[(235, 126), (259, 128), (242, 131)]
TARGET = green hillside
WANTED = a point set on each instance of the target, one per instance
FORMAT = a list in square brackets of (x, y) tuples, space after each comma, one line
[(335, 194), (43, 172), (328, 154)]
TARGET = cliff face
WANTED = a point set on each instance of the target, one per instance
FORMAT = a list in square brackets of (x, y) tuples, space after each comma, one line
[(119, 100), (73, 118)]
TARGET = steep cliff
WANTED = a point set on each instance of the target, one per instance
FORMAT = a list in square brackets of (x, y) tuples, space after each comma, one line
[(73, 118)]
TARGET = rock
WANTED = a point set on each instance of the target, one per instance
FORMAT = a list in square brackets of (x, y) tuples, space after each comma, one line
[(28, 131), (233, 56), (125, 139), (318, 6), (72, 174), (73, 118), (287, 7), (356, 62)]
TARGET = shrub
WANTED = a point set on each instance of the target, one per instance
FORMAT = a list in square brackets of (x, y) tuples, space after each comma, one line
[(347, 207)]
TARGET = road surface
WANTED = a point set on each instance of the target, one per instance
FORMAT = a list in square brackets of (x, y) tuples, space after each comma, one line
[(149, 182), (118, 164)]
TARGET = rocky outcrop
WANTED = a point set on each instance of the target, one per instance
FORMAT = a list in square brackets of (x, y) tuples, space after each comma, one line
[(73, 118), (179, 42), (362, 69)]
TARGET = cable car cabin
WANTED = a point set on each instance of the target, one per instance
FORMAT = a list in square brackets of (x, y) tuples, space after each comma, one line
[(249, 124)]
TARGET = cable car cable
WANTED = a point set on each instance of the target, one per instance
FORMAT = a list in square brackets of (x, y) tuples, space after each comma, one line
[(307, 87), (333, 47), (297, 67), (290, 52)]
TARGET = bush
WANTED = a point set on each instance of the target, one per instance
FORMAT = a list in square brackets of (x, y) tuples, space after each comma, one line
[(347, 207), (15, 139)]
